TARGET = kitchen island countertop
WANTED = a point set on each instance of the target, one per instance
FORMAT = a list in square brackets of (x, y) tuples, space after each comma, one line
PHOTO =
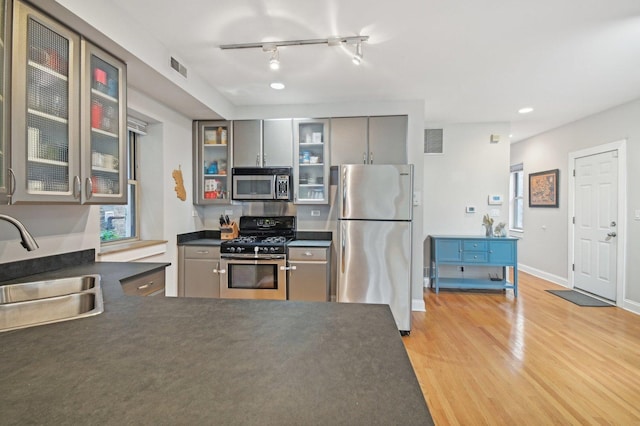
[(157, 360)]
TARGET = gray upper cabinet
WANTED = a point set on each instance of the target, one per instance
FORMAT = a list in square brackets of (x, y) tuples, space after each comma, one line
[(68, 115), (45, 115), (388, 139), (349, 140), (277, 143), (247, 143), (263, 143), (369, 140), (4, 83)]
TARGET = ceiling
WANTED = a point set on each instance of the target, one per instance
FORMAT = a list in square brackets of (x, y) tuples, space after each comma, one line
[(468, 60)]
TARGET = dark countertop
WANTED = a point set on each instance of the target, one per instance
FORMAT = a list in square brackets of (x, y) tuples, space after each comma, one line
[(156, 360), (202, 242)]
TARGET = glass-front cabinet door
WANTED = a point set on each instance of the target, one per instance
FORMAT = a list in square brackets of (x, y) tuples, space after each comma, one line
[(4, 81), (104, 128), (311, 177), (211, 173), (45, 115)]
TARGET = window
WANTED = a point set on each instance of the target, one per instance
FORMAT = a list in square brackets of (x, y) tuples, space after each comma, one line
[(516, 197), (120, 222)]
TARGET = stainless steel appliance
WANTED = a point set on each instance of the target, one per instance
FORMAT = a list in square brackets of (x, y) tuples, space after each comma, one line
[(254, 265), (375, 223), (262, 183)]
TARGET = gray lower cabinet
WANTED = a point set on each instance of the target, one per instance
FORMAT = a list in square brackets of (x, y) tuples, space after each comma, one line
[(309, 274), (149, 284), (197, 271)]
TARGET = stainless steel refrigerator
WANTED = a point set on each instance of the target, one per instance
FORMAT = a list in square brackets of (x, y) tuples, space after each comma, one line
[(374, 225)]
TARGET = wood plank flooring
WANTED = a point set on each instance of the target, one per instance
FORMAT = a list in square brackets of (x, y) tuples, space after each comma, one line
[(487, 358)]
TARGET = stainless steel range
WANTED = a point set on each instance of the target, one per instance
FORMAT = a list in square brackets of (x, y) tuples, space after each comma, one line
[(254, 265)]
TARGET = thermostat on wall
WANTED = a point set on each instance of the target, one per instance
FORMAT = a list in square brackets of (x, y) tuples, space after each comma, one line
[(471, 209), (495, 199)]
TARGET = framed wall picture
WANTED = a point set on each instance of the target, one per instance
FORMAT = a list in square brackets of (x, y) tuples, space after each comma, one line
[(543, 189)]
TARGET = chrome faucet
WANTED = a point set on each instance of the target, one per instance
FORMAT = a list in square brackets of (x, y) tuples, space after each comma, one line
[(28, 241)]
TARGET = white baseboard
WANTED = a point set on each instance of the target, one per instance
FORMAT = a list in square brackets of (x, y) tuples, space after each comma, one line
[(418, 305), (544, 275), (631, 306)]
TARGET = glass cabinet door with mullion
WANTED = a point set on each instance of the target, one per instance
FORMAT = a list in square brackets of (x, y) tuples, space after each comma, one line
[(212, 176), (45, 153), (311, 176), (104, 128), (4, 81)]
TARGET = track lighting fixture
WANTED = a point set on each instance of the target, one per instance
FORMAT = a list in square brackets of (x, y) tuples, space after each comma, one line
[(274, 60), (357, 57), (272, 47)]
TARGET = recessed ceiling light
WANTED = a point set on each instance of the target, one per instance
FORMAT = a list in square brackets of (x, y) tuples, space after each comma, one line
[(277, 86), (525, 110)]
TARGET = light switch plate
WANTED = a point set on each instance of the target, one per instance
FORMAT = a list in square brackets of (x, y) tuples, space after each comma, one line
[(416, 198), (470, 209)]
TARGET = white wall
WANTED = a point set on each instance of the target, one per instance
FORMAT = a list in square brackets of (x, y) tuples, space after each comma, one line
[(469, 170), (166, 147), (546, 249), (57, 229)]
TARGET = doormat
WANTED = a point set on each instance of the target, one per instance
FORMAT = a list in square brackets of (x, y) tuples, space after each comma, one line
[(579, 298)]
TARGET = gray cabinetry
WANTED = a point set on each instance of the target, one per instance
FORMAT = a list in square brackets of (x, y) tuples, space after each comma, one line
[(277, 147), (263, 143), (247, 141), (149, 284), (198, 274), (311, 173), (349, 140), (309, 274), (388, 139), (5, 17), (68, 114), (369, 140), (211, 175)]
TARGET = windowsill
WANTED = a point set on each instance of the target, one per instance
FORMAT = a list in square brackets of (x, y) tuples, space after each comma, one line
[(516, 233), (132, 250)]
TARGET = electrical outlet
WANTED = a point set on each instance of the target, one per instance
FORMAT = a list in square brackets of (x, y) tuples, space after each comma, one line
[(315, 212), (194, 213)]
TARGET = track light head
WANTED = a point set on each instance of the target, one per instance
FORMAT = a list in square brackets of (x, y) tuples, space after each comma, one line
[(274, 60), (357, 57)]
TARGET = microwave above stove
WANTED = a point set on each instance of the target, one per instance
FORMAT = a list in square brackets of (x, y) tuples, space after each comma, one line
[(262, 184)]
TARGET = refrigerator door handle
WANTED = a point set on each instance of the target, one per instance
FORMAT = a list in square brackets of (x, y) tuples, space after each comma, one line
[(344, 189), (344, 245)]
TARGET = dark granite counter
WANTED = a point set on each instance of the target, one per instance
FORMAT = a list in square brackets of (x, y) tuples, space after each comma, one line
[(156, 360)]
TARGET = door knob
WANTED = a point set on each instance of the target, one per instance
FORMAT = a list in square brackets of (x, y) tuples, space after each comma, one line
[(613, 223), (612, 234)]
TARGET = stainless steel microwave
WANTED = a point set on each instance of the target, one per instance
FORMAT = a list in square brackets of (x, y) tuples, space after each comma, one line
[(261, 183)]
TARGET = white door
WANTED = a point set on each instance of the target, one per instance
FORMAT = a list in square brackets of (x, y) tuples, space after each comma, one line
[(596, 217)]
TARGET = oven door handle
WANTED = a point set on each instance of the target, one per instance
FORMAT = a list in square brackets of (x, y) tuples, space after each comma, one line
[(288, 268)]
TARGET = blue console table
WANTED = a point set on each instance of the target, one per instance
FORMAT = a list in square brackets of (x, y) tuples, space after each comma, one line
[(475, 251)]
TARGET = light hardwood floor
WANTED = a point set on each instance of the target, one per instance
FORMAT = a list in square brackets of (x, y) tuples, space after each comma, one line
[(487, 358)]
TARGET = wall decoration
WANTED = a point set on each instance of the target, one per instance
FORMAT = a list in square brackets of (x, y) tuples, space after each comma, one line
[(181, 193), (543, 189)]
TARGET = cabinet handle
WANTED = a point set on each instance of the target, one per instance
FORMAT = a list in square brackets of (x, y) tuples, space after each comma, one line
[(264, 160), (12, 178), (258, 160), (308, 253), (77, 187), (88, 186), (216, 270), (202, 251), (143, 286), (364, 158), (371, 157)]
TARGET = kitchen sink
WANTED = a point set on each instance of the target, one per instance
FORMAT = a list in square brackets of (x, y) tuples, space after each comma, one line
[(44, 302)]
